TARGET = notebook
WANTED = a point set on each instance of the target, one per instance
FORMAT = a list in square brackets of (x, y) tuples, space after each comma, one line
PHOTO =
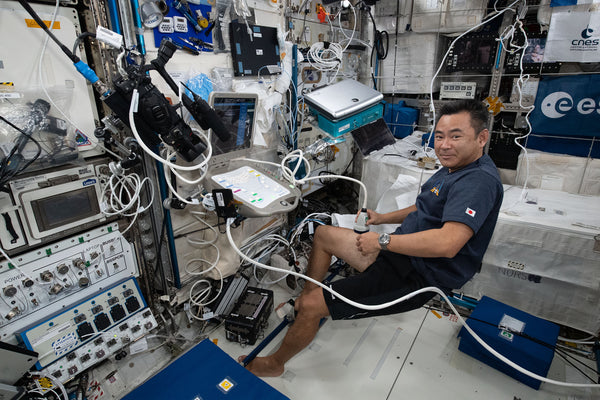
[(342, 99)]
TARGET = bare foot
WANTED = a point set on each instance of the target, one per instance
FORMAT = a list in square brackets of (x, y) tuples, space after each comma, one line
[(263, 366)]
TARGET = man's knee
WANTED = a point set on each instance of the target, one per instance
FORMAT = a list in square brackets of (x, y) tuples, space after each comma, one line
[(312, 304), (324, 232)]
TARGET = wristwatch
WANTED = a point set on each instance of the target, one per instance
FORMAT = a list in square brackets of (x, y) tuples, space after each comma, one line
[(384, 240)]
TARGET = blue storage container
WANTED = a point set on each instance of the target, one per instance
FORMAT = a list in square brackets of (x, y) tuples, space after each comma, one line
[(400, 119), (532, 350)]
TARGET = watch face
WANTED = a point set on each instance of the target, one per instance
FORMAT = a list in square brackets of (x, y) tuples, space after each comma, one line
[(384, 239)]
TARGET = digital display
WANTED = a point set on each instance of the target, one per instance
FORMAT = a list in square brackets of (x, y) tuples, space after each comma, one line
[(64, 208), (476, 52), (237, 114)]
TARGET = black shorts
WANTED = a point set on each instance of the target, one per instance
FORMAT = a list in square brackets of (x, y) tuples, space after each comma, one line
[(390, 277)]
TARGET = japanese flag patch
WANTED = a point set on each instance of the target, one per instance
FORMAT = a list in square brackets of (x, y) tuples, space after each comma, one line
[(470, 212)]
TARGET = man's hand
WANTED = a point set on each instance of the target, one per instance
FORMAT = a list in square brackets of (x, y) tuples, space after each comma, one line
[(373, 218), (368, 243)]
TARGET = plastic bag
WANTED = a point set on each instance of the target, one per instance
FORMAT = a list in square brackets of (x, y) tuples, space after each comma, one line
[(47, 139)]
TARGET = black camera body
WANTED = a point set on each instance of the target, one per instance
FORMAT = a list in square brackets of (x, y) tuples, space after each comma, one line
[(156, 118)]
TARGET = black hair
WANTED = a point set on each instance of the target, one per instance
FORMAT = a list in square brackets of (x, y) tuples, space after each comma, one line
[(478, 112)]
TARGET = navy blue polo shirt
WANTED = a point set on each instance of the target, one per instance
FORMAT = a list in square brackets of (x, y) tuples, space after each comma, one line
[(472, 196)]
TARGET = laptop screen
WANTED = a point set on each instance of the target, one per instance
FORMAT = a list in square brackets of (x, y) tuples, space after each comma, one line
[(237, 111), (373, 136)]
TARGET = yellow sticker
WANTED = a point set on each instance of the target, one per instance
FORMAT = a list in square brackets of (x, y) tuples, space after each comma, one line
[(45, 383), (494, 104), (32, 24), (226, 385)]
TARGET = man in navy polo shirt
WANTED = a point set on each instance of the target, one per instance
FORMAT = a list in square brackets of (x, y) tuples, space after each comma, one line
[(440, 243)]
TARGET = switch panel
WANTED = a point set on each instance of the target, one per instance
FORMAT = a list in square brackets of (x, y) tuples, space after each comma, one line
[(50, 279), (74, 347)]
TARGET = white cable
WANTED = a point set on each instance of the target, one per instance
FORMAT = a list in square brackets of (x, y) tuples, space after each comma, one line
[(54, 381), (200, 243), (126, 187), (200, 167), (342, 29), (401, 299), (133, 109), (289, 175), (40, 77), (300, 227), (200, 299), (442, 62), (169, 165), (267, 251), (579, 341), (119, 61)]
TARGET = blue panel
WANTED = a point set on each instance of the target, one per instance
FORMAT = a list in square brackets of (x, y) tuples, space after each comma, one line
[(567, 106), (532, 351), (204, 372), (204, 35), (559, 3)]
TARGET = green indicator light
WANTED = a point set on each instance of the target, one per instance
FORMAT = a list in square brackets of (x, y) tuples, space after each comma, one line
[(10, 266), (292, 186), (81, 240), (252, 201), (109, 229), (48, 252), (87, 263)]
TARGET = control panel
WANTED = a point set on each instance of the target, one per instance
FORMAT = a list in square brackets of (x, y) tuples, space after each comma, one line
[(90, 331), (458, 90), (258, 194), (47, 280), (48, 206)]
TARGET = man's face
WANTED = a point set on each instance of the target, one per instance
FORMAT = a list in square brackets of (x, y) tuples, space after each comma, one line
[(456, 142)]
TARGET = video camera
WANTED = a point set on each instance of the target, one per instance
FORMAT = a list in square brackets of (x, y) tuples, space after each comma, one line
[(156, 117)]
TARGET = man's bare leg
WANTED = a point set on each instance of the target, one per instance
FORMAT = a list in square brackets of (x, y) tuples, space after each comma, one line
[(311, 306), (333, 241)]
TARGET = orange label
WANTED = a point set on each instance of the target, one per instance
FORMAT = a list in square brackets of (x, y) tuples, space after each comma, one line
[(32, 24)]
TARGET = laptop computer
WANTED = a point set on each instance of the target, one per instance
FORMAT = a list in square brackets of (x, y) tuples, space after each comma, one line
[(373, 136), (342, 99)]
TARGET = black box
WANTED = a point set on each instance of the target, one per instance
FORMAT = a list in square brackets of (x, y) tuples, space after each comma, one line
[(249, 316)]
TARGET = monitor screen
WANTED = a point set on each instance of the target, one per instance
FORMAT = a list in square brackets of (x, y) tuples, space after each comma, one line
[(373, 136), (474, 52), (237, 111), (64, 208), (533, 57)]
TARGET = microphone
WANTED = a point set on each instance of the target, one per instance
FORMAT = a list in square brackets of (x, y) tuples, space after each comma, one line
[(206, 117)]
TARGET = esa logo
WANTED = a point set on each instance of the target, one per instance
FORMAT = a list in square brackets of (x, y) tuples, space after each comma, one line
[(558, 104), (585, 40)]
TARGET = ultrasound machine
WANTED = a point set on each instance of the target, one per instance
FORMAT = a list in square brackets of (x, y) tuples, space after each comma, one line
[(256, 192)]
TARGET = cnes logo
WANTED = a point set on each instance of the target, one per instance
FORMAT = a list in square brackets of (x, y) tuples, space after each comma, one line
[(558, 104), (586, 38)]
